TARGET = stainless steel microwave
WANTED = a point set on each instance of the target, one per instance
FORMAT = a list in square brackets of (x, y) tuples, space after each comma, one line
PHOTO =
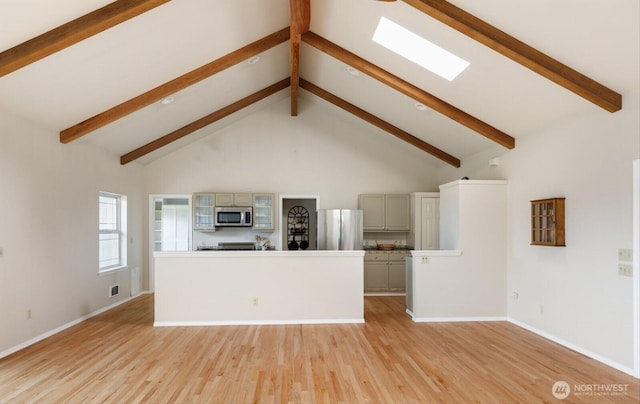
[(234, 216)]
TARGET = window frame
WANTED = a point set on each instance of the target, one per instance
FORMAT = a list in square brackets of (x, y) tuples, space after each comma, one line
[(120, 231)]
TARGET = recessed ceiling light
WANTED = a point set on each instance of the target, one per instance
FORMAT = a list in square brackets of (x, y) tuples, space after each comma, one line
[(167, 100), (413, 47), (253, 60), (352, 71), (421, 107)]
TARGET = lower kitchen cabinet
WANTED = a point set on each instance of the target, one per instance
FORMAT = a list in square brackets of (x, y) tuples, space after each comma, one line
[(376, 275), (384, 271), (396, 274)]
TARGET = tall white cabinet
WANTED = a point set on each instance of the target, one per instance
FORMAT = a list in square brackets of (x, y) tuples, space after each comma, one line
[(473, 216), (467, 278)]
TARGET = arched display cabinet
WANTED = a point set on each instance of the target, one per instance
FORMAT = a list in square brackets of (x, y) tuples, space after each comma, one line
[(298, 228)]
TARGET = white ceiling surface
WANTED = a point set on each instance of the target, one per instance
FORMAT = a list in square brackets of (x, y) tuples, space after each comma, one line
[(173, 39)]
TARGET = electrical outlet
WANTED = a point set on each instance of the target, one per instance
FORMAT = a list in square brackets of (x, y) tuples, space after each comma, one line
[(625, 270), (625, 254), (541, 309), (1, 252), (424, 260), (28, 314), (255, 301)]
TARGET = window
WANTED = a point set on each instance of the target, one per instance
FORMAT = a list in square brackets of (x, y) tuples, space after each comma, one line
[(112, 228), (418, 50)]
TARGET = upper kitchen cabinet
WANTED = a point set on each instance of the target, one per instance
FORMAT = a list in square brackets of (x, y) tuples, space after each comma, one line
[(373, 211), (398, 212), (390, 212), (264, 212), (203, 212), (227, 199)]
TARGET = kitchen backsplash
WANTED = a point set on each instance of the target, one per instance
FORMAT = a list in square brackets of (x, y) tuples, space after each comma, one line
[(230, 234), (398, 238)]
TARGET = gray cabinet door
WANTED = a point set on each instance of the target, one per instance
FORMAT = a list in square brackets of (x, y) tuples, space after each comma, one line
[(398, 212), (373, 209), (376, 275), (396, 274)]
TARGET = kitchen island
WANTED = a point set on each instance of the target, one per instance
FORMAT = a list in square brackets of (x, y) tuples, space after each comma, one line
[(202, 288)]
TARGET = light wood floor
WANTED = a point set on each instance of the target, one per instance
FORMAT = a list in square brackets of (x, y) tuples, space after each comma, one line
[(119, 357)]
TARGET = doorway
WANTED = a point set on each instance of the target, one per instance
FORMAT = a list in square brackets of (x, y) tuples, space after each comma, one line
[(310, 203), (169, 226)]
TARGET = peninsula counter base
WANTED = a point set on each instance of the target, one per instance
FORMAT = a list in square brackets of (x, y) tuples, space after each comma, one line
[(258, 287)]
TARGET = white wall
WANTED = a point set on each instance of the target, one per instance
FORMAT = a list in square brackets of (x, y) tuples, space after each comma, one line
[(572, 293), (49, 230), (451, 287), (256, 287), (323, 151)]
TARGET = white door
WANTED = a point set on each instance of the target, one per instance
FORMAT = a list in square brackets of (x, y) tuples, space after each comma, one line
[(175, 227), (430, 229)]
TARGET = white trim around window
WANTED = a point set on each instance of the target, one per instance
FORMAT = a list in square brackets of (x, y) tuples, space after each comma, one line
[(112, 232)]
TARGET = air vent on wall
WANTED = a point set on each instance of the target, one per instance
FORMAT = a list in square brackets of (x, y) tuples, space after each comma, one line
[(114, 290)]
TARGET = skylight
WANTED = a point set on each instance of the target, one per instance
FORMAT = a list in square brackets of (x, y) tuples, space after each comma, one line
[(418, 50)]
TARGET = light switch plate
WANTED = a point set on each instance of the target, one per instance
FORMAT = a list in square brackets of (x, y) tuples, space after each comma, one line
[(625, 269), (1, 252), (625, 254)]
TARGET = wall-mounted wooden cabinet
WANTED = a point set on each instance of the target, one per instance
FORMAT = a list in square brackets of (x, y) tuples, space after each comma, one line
[(547, 222)]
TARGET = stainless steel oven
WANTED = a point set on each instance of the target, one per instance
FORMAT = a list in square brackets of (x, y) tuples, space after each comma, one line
[(234, 216)]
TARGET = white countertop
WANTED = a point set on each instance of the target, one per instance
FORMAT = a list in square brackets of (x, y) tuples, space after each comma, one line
[(261, 254), (436, 253)]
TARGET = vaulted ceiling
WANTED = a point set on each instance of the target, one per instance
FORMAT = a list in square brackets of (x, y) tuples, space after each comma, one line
[(97, 71)]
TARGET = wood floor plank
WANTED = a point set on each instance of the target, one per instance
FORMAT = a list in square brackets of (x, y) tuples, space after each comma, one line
[(119, 357)]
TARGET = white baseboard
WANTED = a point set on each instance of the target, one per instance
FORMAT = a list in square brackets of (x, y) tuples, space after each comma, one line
[(63, 327), (257, 322), (454, 319), (576, 348)]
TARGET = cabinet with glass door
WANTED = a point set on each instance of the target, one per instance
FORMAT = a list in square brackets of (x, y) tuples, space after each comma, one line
[(547, 222), (203, 212), (263, 212)]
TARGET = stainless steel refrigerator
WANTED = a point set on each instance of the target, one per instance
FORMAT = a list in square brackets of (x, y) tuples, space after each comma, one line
[(339, 229)]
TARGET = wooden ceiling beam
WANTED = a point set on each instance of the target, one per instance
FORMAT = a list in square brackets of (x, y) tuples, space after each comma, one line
[(300, 15), (73, 32), (173, 86), (520, 52), (204, 121), (384, 125), (408, 89)]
